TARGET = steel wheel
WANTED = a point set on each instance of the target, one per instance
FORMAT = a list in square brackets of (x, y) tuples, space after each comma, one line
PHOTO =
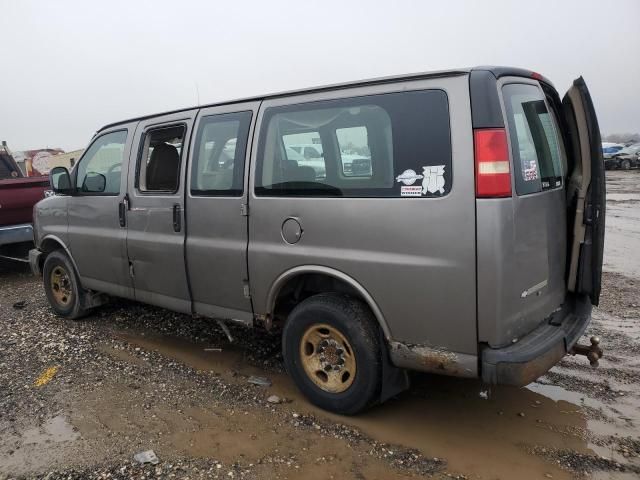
[(61, 286), (327, 358)]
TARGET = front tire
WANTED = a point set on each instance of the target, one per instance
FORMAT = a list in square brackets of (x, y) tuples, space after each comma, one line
[(625, 165), (331, 350), (62, 286)]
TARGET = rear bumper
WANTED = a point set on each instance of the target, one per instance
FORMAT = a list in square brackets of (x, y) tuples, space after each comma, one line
[(16, 234), (532, 356)]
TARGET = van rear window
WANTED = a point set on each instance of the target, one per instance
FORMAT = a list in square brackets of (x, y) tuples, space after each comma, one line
[(389, 145), (534, 139)]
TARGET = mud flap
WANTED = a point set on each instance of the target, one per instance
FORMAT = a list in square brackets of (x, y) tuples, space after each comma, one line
[(394, 380)]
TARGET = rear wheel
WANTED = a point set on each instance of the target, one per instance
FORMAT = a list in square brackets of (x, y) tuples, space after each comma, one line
[(625, 165), (62, 286), (332, 352)]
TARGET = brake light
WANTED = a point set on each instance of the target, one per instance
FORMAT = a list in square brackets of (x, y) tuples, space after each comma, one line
[(493, 174)]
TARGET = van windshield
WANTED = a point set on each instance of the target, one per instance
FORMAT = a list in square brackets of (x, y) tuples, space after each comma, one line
[(534, 139)]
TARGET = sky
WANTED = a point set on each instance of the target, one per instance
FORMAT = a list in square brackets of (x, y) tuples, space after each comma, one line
[(69, 67)]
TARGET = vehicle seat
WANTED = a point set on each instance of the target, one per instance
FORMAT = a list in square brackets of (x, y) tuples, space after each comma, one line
[(162, 170), (291, 172)]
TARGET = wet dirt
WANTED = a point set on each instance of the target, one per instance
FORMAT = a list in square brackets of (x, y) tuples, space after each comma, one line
[(133, 378), (622, 237)]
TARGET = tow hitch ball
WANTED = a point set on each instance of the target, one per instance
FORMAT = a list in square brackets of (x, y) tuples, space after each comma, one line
[(593, 352)]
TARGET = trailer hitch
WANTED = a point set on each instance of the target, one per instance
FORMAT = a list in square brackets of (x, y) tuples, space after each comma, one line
[(593, 352)]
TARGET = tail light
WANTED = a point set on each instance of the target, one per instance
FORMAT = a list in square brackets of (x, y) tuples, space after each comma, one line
[(493, 174)]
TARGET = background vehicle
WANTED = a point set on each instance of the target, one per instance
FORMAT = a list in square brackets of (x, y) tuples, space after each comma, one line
[(625, 158), (424, 261), (610, 149), (309, 156), (18, 195)]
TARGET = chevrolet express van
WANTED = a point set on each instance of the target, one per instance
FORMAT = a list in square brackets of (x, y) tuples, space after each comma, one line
[(471, 245)]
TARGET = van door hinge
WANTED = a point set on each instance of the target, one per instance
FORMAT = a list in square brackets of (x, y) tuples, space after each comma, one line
[(244, 209), (245, 290)]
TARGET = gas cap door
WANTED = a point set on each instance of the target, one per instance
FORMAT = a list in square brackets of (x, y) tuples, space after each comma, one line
[(291, 230)]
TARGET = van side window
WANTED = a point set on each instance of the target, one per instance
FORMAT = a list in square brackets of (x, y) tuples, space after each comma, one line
[(159, 165), (534, 139), (100, 168), (219, 155), (389, 145)]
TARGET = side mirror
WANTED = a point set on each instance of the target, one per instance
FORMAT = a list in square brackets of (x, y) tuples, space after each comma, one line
[(60, 180), (94, 183)]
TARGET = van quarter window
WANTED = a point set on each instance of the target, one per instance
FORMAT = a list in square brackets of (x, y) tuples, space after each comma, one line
[(159, 165), (390, 145), (100, 168), (218, 160), (534, 140)]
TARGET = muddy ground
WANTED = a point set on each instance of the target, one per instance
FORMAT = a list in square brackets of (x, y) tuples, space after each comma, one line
[(79, 399)]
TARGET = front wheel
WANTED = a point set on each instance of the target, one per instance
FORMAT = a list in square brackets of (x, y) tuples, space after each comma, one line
[(625, 165), (332, 352), (62, 286)]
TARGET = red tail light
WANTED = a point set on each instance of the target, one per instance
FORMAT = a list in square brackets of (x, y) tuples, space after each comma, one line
[(493, 175)]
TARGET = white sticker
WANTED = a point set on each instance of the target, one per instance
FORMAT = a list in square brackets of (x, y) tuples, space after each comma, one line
[(434, 181), (530, 173), (406, 191), (408, 177)]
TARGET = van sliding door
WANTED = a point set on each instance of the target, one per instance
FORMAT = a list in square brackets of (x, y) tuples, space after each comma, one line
[(216, 212)]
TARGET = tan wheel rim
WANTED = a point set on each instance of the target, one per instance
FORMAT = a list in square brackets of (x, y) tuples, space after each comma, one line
[(61, 286), (327, 358)]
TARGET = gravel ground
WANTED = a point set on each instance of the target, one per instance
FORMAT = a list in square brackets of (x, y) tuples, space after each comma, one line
[(79, 399)]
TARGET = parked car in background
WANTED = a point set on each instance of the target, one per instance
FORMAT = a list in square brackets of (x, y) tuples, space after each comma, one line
[(625, 158), (610, 149), (18, 195)]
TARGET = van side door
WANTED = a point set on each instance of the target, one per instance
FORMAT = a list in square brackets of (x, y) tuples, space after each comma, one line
[(96, 238), (155, 211), (216, 211)]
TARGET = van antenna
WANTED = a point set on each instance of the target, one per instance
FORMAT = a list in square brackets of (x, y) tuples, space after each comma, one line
[(197, 92)]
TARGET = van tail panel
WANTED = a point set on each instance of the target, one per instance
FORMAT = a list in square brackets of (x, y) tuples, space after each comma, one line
[(521, 240), (586, 193)]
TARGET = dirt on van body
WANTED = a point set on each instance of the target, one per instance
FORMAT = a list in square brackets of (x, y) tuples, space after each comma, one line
[(79, 399)]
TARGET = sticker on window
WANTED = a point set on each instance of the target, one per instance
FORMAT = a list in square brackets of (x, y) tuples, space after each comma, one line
[(433, 181), (408, 177), (530, 170), (411, 191)]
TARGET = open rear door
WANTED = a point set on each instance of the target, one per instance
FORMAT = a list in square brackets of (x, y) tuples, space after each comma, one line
[(585, 193)]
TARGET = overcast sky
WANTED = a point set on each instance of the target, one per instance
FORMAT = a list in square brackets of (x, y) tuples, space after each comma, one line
[(69, 67)]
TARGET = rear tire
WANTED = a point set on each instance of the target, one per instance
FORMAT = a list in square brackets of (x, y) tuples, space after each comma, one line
[(625, 165), (331, 350), (62, 286)]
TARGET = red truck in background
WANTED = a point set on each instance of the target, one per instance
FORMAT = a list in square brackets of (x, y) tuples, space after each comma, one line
[(18, 195)]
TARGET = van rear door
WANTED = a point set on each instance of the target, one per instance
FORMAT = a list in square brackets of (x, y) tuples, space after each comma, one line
[(536, 223), (586, 193)]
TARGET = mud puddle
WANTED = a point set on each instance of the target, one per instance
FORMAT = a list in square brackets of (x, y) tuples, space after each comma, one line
[(442, 417), (36, 446)]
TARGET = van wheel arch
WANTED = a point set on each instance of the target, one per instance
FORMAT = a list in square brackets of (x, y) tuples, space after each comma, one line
[(51, 244), (294, 286)]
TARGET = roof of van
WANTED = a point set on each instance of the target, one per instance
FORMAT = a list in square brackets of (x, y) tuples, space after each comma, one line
[(497, 71)]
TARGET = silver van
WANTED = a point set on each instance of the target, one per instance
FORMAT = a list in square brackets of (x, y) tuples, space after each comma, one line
[(469, 243)]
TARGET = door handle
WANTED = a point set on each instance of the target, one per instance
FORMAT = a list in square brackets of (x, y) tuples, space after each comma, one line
[(123, 206), (177, 218)]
